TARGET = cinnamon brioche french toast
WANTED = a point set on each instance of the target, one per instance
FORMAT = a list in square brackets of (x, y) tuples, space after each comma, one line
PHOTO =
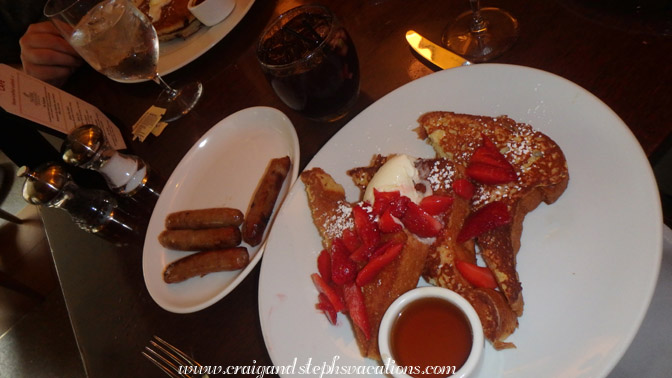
[(541, 174), (171, 18), (431, 217)]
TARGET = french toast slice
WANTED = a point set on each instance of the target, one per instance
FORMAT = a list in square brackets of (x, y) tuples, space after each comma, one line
[(542, 176), (498, 319), (332, 215), (330, 211), (539, 162)]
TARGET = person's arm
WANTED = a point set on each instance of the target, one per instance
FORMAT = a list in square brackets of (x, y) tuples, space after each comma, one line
[(46, 55)]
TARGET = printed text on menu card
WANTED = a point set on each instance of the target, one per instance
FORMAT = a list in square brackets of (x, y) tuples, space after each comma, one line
[(30, 98)]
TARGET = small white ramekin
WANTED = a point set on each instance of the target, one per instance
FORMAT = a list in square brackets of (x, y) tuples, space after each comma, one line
[(473, 362), (211, 12)]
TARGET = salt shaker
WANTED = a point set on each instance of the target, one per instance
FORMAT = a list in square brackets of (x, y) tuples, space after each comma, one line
[(126, 175), (95, 211)]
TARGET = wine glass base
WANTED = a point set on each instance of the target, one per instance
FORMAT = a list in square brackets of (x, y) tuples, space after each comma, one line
[(499, 34), (180, 101)]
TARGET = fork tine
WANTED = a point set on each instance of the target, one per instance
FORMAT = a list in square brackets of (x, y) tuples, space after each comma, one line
[(168, 358), (189, 360), (161, 365)]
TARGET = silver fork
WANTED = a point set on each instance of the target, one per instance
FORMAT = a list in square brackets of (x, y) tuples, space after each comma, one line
[(169, 359)]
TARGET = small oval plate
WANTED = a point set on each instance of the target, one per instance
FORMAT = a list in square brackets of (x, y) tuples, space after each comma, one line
[(222, 169)]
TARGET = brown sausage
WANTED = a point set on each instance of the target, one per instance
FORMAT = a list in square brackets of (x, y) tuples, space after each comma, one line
[(264, 199), (202, 263), (205, 239), (204, 218)]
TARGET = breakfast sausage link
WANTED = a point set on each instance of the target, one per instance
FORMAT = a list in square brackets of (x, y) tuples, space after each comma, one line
[(264, 199), (205, 239), (202, 263), (204, 218)]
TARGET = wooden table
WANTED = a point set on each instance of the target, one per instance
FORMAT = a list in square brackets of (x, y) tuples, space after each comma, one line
[(619, 54)]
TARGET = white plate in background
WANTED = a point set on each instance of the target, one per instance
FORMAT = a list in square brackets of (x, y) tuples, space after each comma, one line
[(179, 52)]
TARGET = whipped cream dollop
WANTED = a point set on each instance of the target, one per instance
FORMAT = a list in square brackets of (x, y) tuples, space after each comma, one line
[(398, 173)]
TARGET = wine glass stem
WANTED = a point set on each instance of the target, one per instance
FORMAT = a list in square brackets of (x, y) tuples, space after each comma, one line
[(172, 93), (478, 25)]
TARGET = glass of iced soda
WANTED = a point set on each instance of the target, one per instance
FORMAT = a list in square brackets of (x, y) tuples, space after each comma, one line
[(310, 61)]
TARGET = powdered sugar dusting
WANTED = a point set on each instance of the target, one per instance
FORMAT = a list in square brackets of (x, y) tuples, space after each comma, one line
[(339, 221), (440, 175)]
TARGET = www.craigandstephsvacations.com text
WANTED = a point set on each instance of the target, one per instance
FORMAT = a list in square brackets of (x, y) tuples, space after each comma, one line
[(313, 369)]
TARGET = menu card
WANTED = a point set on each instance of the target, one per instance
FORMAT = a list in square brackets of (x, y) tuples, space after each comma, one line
[(35, 100)]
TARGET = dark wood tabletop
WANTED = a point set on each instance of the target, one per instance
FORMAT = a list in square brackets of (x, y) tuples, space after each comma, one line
[(619, 52)]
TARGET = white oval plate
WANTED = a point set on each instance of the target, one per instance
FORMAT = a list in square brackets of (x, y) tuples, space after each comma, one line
[(222, 169), (588, 263)]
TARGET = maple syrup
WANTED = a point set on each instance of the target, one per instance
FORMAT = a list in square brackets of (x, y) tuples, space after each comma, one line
[(431, 332)]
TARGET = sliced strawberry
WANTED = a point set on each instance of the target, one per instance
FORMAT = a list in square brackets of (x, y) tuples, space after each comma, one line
[(382, 200), (343, 269), (381, 249), (354, 300), (327, 308), (371, 270), (324, 265), (363, 253), (387, 223), (366, 228), (420, 222), (489, 217), (399, 206), (489, 154), (464, 188), (488, 166), (331, 294), (350, 239), (339, 292), (436, 204), (476, 275), (490, 174)]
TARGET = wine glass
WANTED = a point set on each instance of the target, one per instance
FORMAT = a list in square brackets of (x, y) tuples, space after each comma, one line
[(481, 34), (119, 41)]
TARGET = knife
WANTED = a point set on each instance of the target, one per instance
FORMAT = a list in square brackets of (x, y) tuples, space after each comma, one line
[(434, 53)]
